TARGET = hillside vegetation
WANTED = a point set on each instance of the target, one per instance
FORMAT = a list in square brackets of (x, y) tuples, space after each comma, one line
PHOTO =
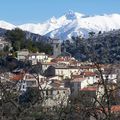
[(22, 40), (97, 47)]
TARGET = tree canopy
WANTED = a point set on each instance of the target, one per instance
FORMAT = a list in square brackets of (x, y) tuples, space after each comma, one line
[(18, 39)]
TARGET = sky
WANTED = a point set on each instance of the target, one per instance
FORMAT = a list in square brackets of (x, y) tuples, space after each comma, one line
[(37, 11)]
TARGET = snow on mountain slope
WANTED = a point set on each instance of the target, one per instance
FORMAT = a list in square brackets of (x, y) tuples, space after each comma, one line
[(70, 24), (81, 26), (75, 24), (51, 24), (6, 25)]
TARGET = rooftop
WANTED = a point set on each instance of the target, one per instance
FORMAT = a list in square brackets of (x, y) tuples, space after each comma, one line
[(89, 88)]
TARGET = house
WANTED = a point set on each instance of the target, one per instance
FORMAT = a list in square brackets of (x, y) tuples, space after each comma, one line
[(56, 97), (90, 79), (78, 82), (46, 65), (27, 80), (66, 60), (88, 94), (62, 70), (31, 80), (37, 57), (55, 94), (33, 57), (50, 58), (56, 78), (76, 85), (22, 54)]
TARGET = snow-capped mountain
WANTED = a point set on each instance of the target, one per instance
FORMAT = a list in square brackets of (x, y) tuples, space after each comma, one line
[(82, 25), (48, 27), (6, 25), (70, 24)]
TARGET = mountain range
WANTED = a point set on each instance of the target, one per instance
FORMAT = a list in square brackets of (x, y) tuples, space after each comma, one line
[(70, 24)]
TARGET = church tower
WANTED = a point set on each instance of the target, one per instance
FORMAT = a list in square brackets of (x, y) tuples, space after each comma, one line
[(56, 47)]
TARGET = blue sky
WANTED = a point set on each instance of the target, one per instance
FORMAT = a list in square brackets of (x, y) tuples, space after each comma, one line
[(26, 11)]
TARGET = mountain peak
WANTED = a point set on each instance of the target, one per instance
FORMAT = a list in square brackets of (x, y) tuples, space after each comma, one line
[(70, 15), (53, 20), (71, 24)]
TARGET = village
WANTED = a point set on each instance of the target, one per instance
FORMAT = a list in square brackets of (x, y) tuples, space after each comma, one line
[(61, 77), (59, 60)]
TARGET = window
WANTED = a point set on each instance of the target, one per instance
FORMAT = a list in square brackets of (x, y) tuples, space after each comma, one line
[(23, 87), (64, 92), (46, 92), (57, 92), (51, 92), (31, 83), (61, 72), (78, 85), (24, 81)]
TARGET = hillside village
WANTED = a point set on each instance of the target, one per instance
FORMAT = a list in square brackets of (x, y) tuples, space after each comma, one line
[(61, 79)]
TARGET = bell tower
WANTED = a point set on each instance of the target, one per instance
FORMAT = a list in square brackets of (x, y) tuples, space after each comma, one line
[(56, 47)]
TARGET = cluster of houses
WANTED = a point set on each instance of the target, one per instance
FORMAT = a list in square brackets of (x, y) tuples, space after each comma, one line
[(60, 78)]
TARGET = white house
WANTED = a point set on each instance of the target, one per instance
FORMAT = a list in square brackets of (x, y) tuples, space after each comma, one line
[(46, 65), (82, 81), (29, 81), (64, 71), (56, 97), (22, 54), (37, 57)]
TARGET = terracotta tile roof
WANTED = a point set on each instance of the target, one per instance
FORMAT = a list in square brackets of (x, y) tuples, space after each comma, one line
[(37, 53), (87, 67), (56, 81), (51, 56), (87, 74), (115, 108), (73, 62), (49, 63), (17, 77), (90, 88), (78, 79), (64, 59), (76, 76)]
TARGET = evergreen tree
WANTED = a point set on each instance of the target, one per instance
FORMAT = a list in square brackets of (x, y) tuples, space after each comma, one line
[(17, 38)]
